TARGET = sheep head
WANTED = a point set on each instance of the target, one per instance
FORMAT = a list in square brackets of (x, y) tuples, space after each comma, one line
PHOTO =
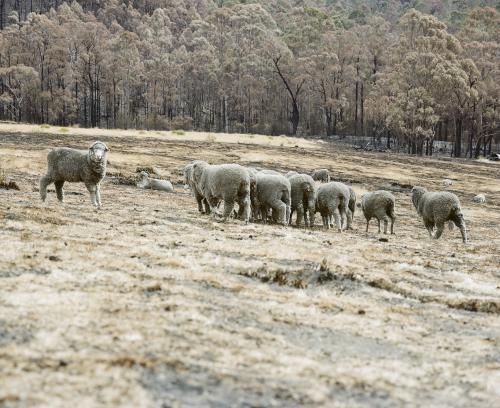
[(416, 195), (98, 152)]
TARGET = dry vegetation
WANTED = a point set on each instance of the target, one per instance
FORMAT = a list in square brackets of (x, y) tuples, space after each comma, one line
[(147, 303)]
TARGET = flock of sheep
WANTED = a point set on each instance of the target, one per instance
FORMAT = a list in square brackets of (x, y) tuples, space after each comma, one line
[(264, 195)]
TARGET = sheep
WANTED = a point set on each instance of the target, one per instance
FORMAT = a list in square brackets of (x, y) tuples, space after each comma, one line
[(154, 184), (322, 175), (227, 182), (479, 199), (66, 164), (273, 192), (351, 207), (290, 174), (436, 208), (447, 183), (203, 206), (303, 198), (333, 199), (380, 205)]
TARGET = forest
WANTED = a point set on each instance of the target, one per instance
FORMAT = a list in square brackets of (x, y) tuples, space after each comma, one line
[(403, 73)]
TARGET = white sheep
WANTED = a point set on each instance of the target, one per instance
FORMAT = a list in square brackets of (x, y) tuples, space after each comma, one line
[(333, 199), (273, 192), (322, 175), (380, 205), (154, 184), (479, 199), (227, 182), (203, 206), (66, 164), (437, 208)]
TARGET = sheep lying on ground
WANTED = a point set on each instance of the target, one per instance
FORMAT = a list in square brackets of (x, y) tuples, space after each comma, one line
[(227, 182), (379, 205), (303, 198), (65, 164), (322, 175), (203, 206), (154, 184), (273, 192), (479, 199), (436, 208), (333, 199), (447, 183)]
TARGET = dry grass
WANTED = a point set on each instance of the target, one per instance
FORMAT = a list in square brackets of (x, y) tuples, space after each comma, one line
[(147, 303)]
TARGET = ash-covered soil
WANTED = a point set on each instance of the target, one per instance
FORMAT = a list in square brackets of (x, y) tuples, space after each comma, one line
[(147, 303)]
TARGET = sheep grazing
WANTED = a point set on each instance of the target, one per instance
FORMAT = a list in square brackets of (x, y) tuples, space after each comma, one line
[(303, 198), (479, 199), (379, 205), (322, 175), (436, 208), (333, 199), (273, 192), (154, 184), (203, 206), (227, 182), (65, 164)]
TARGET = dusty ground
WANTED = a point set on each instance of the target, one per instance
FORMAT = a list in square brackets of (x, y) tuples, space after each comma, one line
[(147, 303)]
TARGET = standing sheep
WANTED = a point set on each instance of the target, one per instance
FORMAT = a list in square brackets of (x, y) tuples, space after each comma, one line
[(333, 199), (351, 207), (273, 192), (203, 206), (154, 184), (303, 198), (227, 182), (436, 208), (290, 174), (66, 164), (322, 175), (379, 205)]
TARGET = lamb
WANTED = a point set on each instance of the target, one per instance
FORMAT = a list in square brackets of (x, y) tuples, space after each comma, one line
[(303, 199), (154, 184), (479, 199), (333, 199), (322, 175), (436, 208), (273, 192), (203, 206), (66, 164), (227, 182), (380, 205)]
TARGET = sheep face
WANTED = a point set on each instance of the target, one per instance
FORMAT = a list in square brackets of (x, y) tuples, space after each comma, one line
[(416, 194), (97, 152)]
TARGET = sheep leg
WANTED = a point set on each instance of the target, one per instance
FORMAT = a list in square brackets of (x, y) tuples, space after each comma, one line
[(98, 195), (367, 223), (344, 219), (393, 218), (207, 206), (199, 200), (338, 219), (44, 182), (460, 223), (228, 208), (300, 215), (378, 221), (386, 223), (326, 221), (430, 226), (59, 190), (244, 210), (311, 217), (92, 190), (439, 230)]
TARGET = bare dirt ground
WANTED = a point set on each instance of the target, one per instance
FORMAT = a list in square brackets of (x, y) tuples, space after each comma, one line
[(147, 303)]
